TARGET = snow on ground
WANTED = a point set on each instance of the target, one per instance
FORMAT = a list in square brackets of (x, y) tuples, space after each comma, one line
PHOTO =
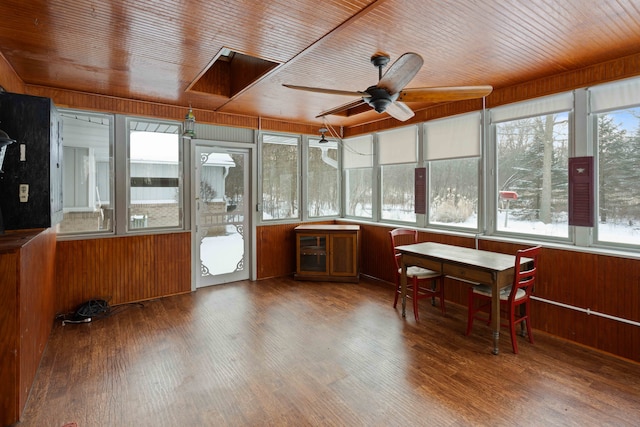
[(221, 254)]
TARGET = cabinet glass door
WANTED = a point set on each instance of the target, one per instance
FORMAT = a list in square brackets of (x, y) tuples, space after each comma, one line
[(313, 253)]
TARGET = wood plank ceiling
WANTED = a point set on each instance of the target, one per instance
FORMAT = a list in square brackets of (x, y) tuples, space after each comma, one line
[(163, 51)]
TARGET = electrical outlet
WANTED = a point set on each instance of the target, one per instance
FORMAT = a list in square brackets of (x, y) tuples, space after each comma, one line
[(24, 193)]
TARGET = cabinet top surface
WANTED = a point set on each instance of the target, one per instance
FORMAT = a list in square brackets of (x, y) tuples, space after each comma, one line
[(12, 240), (327, 227)]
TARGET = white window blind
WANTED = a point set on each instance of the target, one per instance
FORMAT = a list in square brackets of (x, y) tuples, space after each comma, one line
[(616, 95), (398, 146), (358, 152), (535, 107), (453, 137)]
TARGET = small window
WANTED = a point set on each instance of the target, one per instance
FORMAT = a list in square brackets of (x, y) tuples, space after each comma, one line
[(453, 151), (616, 108), (618, 141), (323, 183), (87, 173), (155, 185), (280, 187), (398, 150), (358, 176)]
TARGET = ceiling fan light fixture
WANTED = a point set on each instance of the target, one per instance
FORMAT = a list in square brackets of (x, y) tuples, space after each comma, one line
[(323, 140), (379, 99), (380, 104)]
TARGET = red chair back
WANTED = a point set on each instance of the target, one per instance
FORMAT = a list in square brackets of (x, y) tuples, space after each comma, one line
[(525, 276), (399, 237)]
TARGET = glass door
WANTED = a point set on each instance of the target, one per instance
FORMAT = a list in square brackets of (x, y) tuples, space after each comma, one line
[(221, 215)]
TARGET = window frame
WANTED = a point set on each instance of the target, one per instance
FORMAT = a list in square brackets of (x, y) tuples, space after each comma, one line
[(475, 118), (626, 95), (299, 200), (558, 105), (386, 157), (306, 150), (124, 215), (110, 230), (363, 168)]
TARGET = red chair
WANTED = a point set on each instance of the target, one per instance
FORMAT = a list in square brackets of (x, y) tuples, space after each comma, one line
[(421, 283), (513, 299)]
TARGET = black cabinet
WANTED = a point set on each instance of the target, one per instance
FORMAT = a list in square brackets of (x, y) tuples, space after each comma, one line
[(35, 160)]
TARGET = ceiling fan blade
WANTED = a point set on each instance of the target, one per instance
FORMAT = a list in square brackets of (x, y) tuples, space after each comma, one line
[(441, 94), (327, 91), (399, 111), (341, 108), (401, 72)]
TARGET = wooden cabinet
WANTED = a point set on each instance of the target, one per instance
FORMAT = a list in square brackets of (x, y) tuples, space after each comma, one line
[(35, 159), (328, 252), (26, 313)]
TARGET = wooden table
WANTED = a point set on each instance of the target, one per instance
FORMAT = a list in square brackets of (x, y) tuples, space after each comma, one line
[(489, 268)]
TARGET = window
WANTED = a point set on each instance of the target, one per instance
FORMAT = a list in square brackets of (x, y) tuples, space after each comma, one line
[(323, 184), (358, 176), (616, 113), (532, 145), (398, 154), (87, 173), (280, 186), (155, 165), (453, 151)]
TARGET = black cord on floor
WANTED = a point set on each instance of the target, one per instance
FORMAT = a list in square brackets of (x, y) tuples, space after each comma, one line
[(92, 310)]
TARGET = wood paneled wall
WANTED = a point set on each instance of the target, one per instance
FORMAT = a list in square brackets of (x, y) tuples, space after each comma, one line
[(93, 102), (122, 269), (27, 261), (9, 80), (606, 284), (37, 265)]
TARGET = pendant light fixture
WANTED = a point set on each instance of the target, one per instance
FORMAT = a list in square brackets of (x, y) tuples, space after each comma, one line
[(189, 125)]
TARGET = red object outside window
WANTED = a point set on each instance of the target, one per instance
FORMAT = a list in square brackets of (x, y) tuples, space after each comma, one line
[(509, 195)]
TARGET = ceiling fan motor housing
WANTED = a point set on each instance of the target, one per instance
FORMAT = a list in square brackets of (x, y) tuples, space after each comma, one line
[(379, 98)]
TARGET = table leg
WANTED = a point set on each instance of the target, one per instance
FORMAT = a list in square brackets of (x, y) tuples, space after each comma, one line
[(403, 286), (495, 316)]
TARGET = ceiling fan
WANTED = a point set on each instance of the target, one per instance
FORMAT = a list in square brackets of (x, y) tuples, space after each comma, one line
[(390, 94)]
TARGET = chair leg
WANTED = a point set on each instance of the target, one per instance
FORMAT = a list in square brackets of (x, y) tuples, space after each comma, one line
[(434, 289), (512, 329), (470, 312), (528, 321), (398, 289), (441, 284)]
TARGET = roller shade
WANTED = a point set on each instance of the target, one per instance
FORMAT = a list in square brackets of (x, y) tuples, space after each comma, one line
[(398, 146), (358, 152), (617, 95), (453, 137), (533, 108)]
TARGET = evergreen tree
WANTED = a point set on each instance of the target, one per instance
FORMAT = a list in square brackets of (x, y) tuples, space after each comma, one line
[(613, 168)]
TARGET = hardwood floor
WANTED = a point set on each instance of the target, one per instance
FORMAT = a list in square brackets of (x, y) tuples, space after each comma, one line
[(279, 352)]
